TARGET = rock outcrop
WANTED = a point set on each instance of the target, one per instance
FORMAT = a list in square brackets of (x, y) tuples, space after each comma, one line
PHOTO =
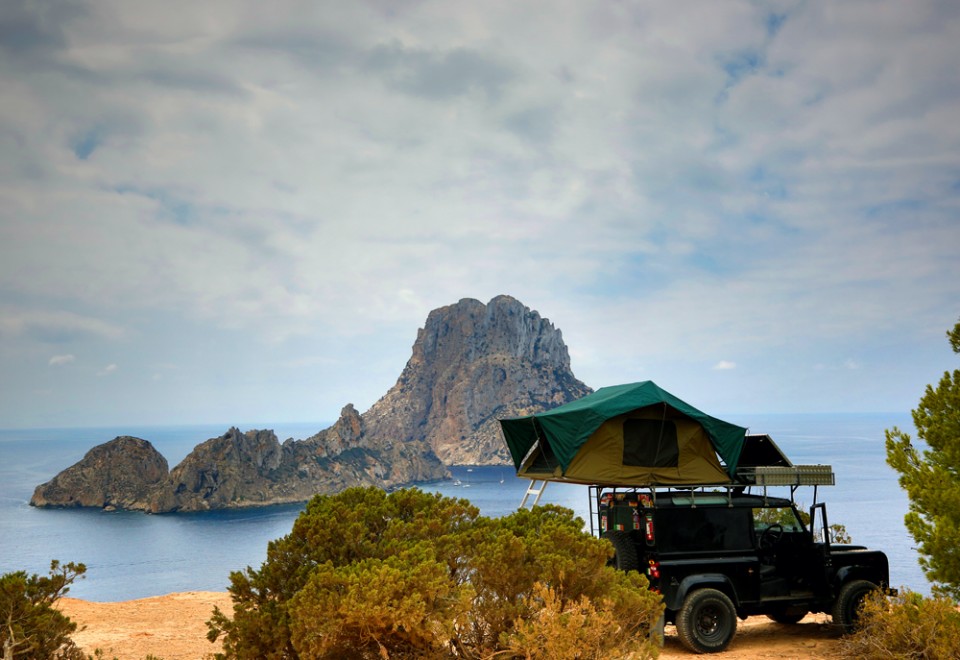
[(254, 469), (471, 364), (125, 473)]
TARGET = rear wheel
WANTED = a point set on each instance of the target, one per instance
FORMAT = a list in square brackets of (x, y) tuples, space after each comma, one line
[(707, 621), (846, 609), (625, 551)]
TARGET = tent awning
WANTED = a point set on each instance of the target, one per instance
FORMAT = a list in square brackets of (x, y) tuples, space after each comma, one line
[(563, 431)]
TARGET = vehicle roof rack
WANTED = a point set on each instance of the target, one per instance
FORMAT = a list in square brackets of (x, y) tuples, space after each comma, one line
[(794, 475)]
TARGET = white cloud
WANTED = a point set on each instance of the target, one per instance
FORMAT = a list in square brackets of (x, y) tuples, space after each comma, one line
[(107, 370), (771, 175), (60, 360), (725, 365), (54, 326)]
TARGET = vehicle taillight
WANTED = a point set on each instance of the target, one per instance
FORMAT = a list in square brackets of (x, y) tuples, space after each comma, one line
[(648, 528), (653, 569)]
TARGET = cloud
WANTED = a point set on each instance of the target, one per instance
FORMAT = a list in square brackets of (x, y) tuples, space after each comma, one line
[(107, 370), (60, 360), (725, 365), (55, 326), (769, 178)]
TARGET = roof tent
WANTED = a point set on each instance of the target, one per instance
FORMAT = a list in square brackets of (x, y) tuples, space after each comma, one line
[(626, 435)]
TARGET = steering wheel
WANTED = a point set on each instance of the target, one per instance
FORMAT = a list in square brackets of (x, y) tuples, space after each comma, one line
[(771, 536)]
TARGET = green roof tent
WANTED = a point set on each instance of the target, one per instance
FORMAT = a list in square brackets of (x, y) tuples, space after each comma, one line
[(625, 435)]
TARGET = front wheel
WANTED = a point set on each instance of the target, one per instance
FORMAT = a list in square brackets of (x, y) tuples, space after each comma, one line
[(707, 621), (846, 609)]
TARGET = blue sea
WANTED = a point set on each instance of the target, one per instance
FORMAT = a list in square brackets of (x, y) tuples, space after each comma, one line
[(135, 555)]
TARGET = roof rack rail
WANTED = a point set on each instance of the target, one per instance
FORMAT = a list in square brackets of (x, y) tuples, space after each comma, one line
[(795, 475)]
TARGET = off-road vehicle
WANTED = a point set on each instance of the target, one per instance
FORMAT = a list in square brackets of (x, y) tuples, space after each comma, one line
[(686, 498), (717, 554)]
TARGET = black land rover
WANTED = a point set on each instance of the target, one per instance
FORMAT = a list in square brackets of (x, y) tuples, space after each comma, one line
[(719, 554)]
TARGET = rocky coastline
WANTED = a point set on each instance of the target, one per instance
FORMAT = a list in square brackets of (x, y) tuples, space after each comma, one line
[(471, 364)]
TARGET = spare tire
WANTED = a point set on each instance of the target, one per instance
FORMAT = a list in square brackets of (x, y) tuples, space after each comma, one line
[(625, 556)]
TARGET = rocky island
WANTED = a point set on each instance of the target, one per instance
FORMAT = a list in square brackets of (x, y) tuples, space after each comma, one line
[(471, 364)]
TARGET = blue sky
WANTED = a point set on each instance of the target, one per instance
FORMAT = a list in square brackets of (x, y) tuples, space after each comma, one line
[(242, 212)]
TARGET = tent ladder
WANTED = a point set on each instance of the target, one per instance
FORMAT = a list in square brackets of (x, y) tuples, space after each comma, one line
[(535, 491)]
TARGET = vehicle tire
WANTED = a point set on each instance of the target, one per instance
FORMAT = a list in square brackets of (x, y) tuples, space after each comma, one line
[(707, 621), (625, 556), (846, 609), (786, 618)]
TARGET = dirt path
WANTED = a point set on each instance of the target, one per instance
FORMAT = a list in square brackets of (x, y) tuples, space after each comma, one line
[(173, 627)]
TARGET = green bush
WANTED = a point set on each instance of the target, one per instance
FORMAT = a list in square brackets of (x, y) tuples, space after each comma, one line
[(30, 625), (905, 626), (410, 574)]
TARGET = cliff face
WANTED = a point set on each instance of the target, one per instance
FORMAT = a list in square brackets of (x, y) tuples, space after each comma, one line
[(471, 364)]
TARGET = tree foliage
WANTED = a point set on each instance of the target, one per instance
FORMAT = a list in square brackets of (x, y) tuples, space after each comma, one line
[(905, 626), (32, 627), (365, 574), (931, 477)]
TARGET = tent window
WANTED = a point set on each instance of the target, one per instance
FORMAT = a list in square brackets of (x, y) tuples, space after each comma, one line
[(650, 443)]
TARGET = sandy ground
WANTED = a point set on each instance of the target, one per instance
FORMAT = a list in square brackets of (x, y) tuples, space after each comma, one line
[(173, 627)]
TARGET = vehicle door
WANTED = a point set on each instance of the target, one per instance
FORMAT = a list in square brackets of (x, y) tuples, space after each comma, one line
[(820, 562), (783, 543), (708, 541)]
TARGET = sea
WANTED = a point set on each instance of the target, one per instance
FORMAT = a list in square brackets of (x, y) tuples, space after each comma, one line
[(131, 555)]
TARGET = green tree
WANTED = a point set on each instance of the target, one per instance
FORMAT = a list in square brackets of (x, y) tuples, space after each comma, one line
[(931, 477), (32, 627), (364, 574)]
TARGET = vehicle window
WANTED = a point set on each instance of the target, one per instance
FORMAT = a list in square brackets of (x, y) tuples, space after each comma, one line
[(785, 516), (703, 528)]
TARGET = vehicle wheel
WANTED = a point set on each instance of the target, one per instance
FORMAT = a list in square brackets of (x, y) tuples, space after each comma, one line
[(625, 551), (846, 609), (787, 618), (707, 621)]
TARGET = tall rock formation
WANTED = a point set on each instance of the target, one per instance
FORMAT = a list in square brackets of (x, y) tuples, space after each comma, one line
[(471, 364)]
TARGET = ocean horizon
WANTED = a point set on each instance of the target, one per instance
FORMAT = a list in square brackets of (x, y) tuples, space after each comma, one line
[(132, 555)]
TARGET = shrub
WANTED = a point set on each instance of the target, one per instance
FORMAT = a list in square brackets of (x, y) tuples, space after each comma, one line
[(410, 574), (905, 626), (562, 628), (30, 624)]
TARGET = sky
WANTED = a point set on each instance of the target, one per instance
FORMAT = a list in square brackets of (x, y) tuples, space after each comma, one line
[(242, 212)]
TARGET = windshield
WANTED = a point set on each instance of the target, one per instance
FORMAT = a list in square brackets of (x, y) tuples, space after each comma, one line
[(784, 516)]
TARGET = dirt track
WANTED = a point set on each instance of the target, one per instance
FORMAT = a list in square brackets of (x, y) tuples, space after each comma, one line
[(172, 627)]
